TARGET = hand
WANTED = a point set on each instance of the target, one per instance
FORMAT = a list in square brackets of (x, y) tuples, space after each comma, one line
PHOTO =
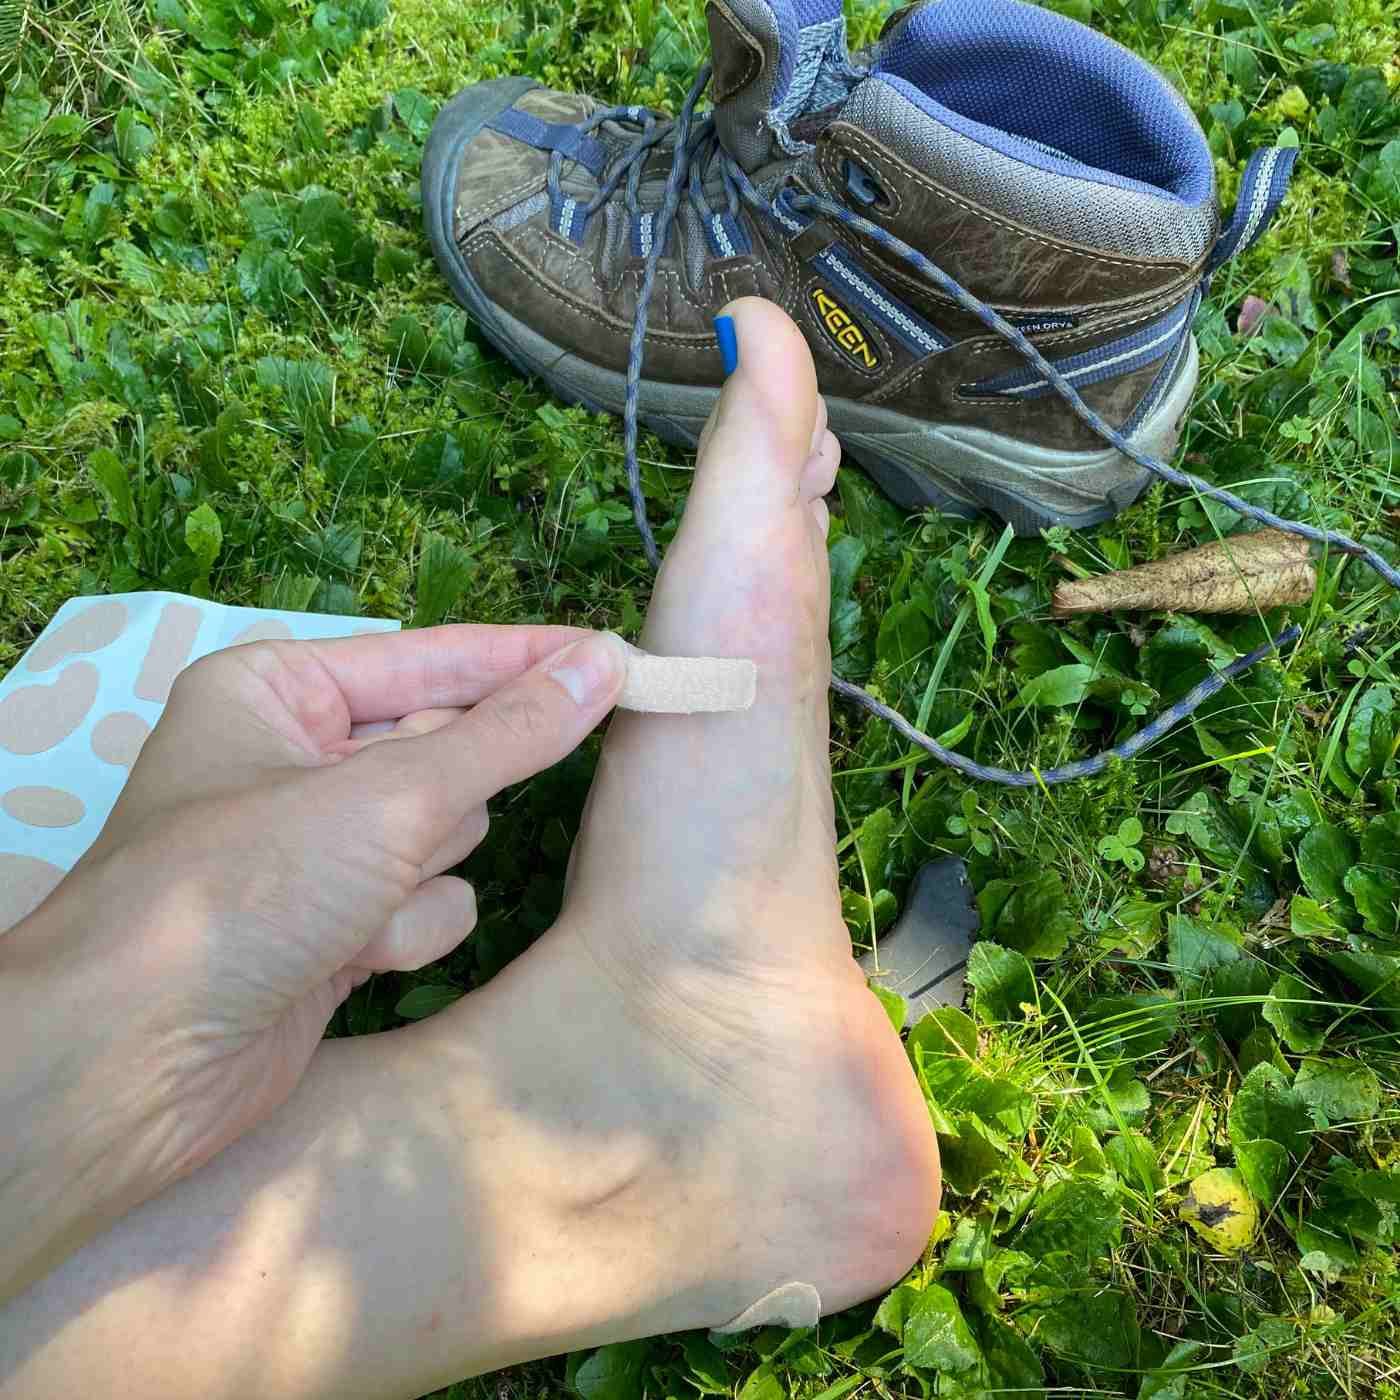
[(275, 844)]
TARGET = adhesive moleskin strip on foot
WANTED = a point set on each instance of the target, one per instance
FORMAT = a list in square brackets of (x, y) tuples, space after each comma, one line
[(687, 685), (790, 1305)]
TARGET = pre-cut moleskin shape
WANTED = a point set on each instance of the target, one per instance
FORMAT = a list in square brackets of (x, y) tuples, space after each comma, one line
[(687, 685)]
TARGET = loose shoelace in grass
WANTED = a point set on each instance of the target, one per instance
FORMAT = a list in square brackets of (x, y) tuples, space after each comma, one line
[(698, 140)]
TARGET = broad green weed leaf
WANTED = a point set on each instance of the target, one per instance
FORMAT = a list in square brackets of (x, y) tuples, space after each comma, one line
[(1134, 1157), (437, 465), (1029, 912), (1377, 975), (444, 571), (1240, 990), (338, 547), (33, 236), (1168, 1381), (305, 386), (970, 1244), (415, 111), (1260, 1047), (847, 554), (972, 1153), (1383, 183), (894, 1004), (1267, 1106), (894, 1310), (935, 1334), (1184, 1143), (1299, 1019), (1371, 734), (98, 211), (407, 342), (873, 844), (945, 1031), (1087, 1154), (24, 112), (904, 635), (19, 499), (1002, 981), (706, 1368), (1078, 1218), (204, 536), (1272, 1337), (1324, 856), (139, 272), (614, 1372), (762, 1384), (1309, 919), (427, 1000), (1196, 948), (1263, 1163), (1120, 1101), (1338, 1091), (110, 473), (1374, 881), (1065, 685), (270, 280), (1096, 1327), (1013, 1369)]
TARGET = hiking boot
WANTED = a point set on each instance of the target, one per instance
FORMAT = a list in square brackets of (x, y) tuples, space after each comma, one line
[(986, 153)]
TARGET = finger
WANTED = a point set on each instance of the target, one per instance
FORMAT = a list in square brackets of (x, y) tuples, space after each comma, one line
[(470, 833), (388, 674), (429, 924), (416, 791), (421, 722)]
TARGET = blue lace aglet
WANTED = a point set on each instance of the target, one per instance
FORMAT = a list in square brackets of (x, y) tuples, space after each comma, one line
[(728, 343)]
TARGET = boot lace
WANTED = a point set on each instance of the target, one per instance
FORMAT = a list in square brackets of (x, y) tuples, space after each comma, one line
[(698, 153)]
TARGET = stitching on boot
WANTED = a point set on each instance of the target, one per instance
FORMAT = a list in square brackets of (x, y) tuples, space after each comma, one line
[(675, 341), (897, 170), (789, 1305)]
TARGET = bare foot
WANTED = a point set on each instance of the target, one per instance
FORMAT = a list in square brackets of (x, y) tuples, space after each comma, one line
[(680, 1099), (741, 1109)]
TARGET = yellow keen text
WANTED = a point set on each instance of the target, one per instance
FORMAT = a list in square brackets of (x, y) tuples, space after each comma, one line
[(843, 329)]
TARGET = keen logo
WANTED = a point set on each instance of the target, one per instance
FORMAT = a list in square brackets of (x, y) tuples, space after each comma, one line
[(841, 326)]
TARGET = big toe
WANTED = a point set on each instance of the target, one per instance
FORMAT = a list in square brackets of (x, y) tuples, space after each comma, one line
[(747, 571)]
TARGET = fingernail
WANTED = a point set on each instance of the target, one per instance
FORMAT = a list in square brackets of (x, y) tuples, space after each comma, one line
[(728, 343), (590, 669)]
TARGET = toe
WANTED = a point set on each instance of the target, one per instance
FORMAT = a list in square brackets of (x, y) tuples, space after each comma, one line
[(742, 577), (769, 419), (819, 475)]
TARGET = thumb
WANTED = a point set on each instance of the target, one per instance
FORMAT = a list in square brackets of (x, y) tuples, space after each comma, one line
[(427, 782)]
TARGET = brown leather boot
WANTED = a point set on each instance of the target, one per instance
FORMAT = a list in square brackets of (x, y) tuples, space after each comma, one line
[(1048, 172)]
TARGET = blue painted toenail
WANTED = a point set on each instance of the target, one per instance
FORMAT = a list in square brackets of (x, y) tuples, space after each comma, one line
[(728, 343)]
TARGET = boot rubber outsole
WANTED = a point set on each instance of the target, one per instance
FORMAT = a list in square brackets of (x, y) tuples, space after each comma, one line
[(954, 468)]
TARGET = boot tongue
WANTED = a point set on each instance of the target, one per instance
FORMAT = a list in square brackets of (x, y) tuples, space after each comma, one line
[(774, 60)]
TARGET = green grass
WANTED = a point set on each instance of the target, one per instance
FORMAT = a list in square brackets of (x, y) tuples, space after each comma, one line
[(214, 293)]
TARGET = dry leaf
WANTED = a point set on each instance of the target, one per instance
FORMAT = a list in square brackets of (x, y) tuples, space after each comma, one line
[(1265, 570)]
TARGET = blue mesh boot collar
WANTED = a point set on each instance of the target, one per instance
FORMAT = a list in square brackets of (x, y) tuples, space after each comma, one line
[(1048, 91), (779, 59)]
